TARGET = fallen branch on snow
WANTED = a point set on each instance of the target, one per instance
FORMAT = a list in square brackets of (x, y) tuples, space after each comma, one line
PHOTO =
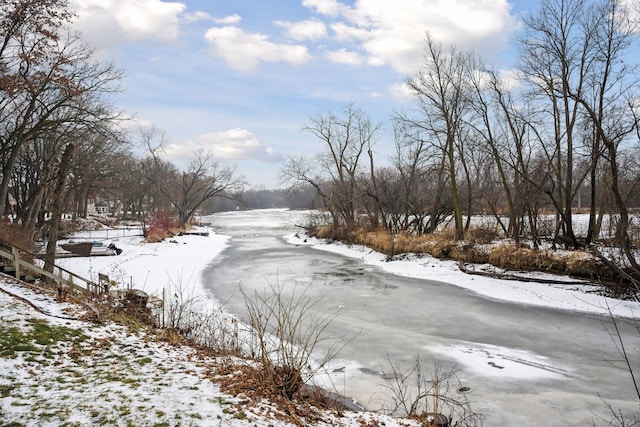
[(507, 276)]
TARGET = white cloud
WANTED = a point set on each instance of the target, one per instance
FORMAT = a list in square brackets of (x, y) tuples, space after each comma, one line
[(244, 51), (392, 33), (344, 56), (229, 20), (228, 146), (632, 7), (197, 17), (344, 32), (325, 7), (401, 91), (510, 79), (109, 23), (311, 29)]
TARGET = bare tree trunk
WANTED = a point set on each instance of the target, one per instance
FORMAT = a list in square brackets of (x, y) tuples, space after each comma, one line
[(57, 207)]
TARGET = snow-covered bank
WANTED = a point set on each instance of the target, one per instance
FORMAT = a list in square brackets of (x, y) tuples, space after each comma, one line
[(508, 361), (564, 297), (173, 263), (85, 374), (98, 375), (179, 261)]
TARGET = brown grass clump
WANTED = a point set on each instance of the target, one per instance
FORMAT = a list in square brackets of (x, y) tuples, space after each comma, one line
[(252, 385), (438, 245), (512, 258), (481, 235), (581, 263), (469, 252), (332, 233), (507, 256), (379, 241)]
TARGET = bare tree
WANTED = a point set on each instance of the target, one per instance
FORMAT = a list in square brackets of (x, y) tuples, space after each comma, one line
[(188, 190), (423, 181), (334, 172), (441, 89), (557, 59), (50, 84), (31, 70), (98, 164), (609, 97), (57, 206)]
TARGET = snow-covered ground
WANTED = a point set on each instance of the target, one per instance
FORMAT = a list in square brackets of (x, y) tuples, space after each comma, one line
[(171, 381), (56, 369)]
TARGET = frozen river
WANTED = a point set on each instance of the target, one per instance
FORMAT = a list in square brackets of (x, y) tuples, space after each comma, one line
[(524, 365)]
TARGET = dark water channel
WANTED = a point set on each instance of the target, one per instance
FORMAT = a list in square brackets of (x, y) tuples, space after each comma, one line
[(524, 365)]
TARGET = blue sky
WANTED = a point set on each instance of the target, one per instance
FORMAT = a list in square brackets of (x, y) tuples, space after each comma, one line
[(241, 78)]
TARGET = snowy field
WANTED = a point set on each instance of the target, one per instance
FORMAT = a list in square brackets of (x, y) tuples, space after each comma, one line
[(87, 374)]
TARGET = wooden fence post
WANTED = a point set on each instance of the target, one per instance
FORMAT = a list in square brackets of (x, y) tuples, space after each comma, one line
[(16, 260)]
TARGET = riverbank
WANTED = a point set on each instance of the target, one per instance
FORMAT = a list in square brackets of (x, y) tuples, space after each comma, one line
[(574, 296), (177, 263), (58, 369), (178, 260)]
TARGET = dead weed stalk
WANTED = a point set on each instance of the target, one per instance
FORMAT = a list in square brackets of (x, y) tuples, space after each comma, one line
[(288, 334), (428, 399)]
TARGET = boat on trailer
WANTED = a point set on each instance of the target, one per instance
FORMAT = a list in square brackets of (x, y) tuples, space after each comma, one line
[(88, 248)]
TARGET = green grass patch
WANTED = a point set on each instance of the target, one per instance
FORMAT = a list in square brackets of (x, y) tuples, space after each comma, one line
[(5, 390), (44, 333), (32, 340), (134, 383), (124, 410), (240, 415), (144, 361), (14, 340)]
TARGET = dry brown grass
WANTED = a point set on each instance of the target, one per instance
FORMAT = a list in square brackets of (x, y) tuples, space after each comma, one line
[(310, 406), (14, 234), (479, 247), (579, 262), (508, 256), (482, 235)]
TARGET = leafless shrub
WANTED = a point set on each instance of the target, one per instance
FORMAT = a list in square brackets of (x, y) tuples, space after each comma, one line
[(482, 235), (196, 319), (428, 399), (288, 334), (217, 331), (618, 419), (179, 309)]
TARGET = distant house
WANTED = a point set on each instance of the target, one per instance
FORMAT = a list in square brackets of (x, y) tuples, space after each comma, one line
[(99, 206)]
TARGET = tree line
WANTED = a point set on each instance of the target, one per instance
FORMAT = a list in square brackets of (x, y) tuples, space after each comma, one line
[(557, 135), (63, 142)]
